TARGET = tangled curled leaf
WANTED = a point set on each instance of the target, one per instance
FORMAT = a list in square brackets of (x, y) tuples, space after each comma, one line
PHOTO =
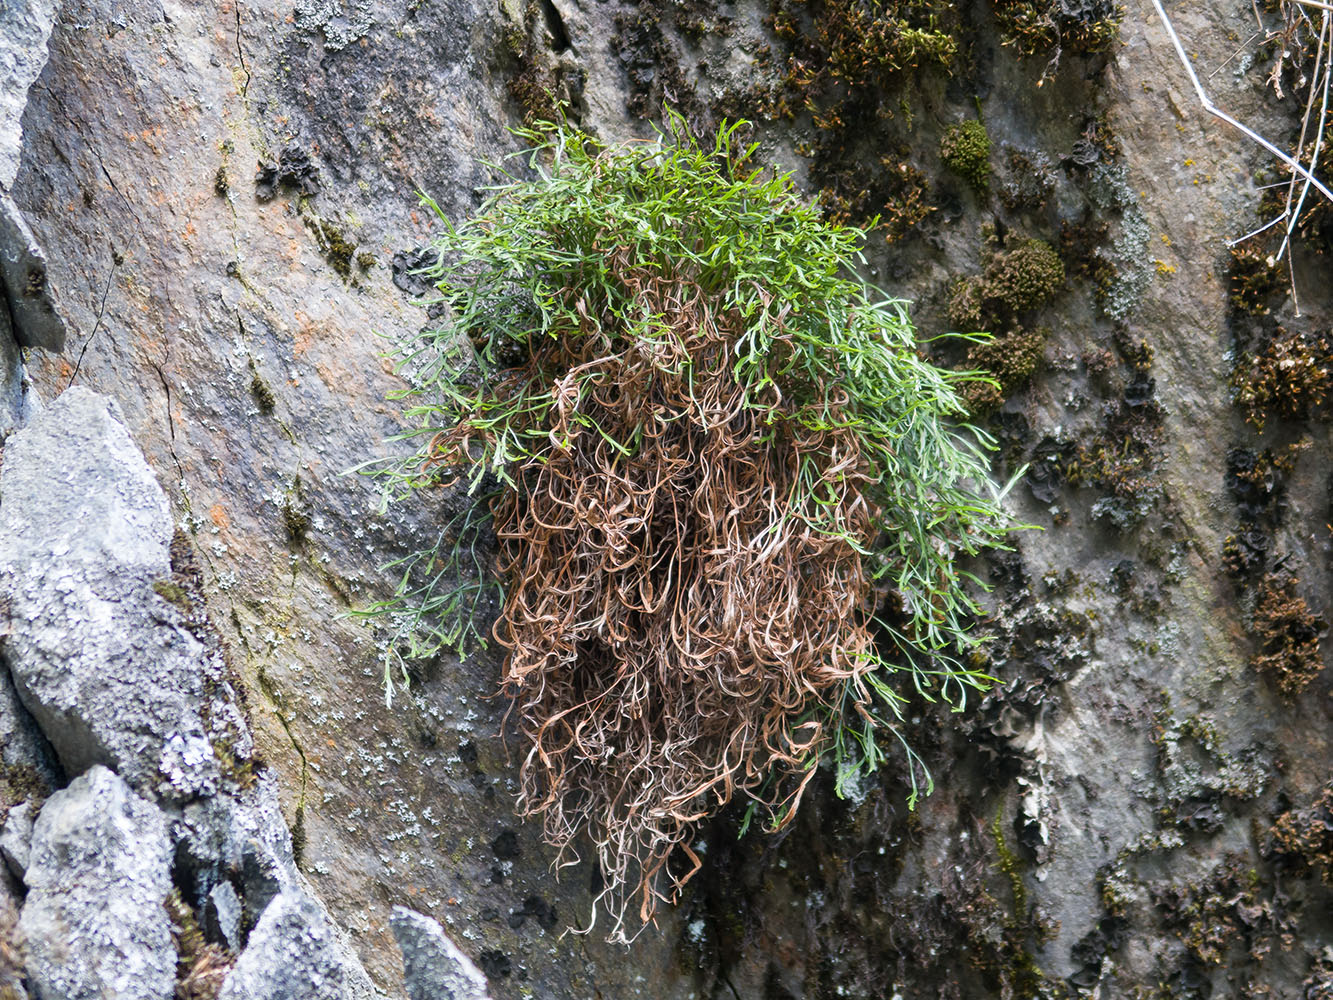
[(731, 494)]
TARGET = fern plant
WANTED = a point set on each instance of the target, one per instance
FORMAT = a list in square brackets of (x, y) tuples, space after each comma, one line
[(728, 493)]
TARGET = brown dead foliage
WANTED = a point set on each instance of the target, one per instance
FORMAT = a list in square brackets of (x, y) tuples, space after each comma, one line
[(1304, 837), (677, 632), (1289, 633)]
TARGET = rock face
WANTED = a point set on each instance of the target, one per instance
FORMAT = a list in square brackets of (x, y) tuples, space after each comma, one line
[(25, 26), (98, 872), (293, 954), (115, 662), (16, 839), (434, 968), (84, 537), (224, 194)]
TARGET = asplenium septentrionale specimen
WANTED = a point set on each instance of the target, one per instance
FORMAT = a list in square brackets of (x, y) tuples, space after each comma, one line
[(731, 493)]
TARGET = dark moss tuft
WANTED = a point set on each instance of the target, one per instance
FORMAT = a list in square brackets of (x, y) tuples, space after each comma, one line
[(1011, 360), (1013, 281), (261, 392), (965, 149), (296, 511), (338, 250), (1303, 837), (1286, 377), (1289, 634), (173, 593), (1050, 27)]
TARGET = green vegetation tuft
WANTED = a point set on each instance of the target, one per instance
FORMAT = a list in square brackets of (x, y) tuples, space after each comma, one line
[(965, 150), (1012, 281), (1010, 360), (728, 491)]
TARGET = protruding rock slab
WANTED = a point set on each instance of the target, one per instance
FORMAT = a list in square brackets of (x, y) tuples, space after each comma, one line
[(16, 839), (295, 954), (23, 281), (25, 27), (98, 871), (98, 655), (434, 967)]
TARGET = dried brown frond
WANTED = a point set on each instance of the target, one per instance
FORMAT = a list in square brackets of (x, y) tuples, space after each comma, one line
[(673, 626)]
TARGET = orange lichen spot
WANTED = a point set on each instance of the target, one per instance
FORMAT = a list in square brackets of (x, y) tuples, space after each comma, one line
[(219, 517)]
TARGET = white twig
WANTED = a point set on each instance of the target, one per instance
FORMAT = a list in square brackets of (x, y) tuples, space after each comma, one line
[(1319, 134), (1262, 229), (1234, 54), (1217, 112)]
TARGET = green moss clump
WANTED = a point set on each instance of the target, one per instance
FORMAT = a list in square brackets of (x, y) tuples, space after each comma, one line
[(261, 391), (1315, 225), (1304, 837), (1013, 281), (1289, 635), (1254, 278), (20, 783), (174, 593), (1021, 971), (851, 65), (1027, 276), (200, 967), (338, 250), (296, 511), (1011, 360), (965, 149)]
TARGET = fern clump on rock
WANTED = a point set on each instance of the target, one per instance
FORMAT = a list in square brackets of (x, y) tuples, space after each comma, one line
[(730, 494)]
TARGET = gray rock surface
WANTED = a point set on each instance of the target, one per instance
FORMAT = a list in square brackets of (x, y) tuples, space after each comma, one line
[(98, 656), (27, 766), (23, 271), (99, 639), (239, 834), (294, 954), (434, 967), (11, 379), (98, 873), (222, 916), (25, 25), (16, 839)]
